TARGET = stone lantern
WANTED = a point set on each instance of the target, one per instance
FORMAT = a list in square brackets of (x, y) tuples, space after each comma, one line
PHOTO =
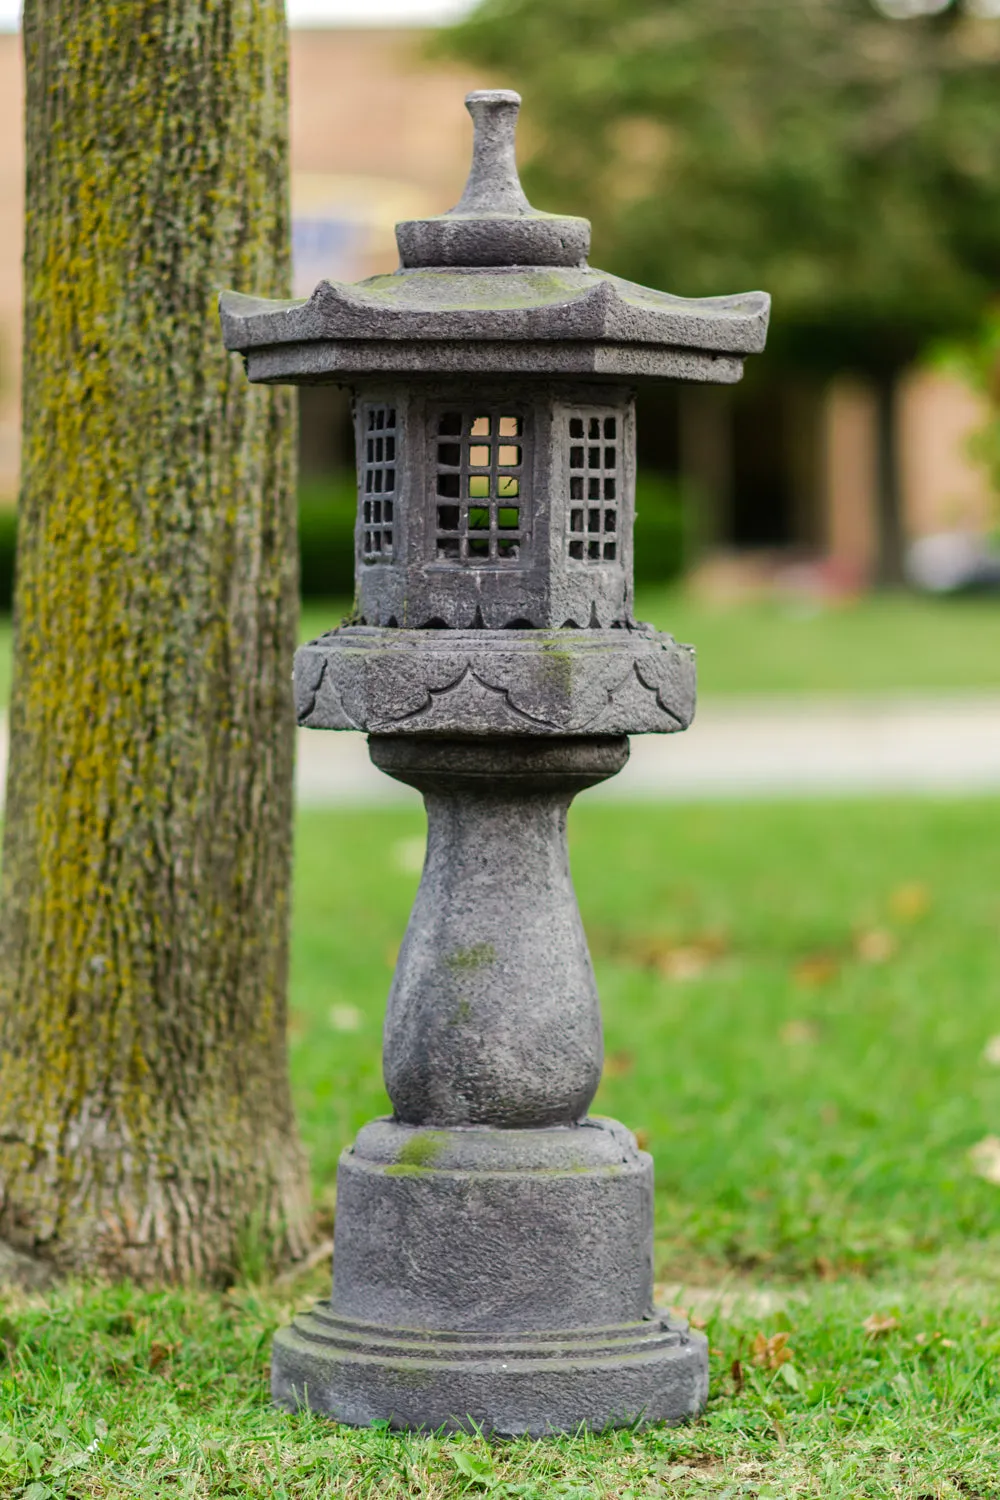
[(493, 1259)]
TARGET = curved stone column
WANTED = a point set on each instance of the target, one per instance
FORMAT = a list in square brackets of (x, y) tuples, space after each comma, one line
[(493, 1016), (493, 1253)]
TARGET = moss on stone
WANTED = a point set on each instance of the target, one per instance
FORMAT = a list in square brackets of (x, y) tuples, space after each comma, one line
[(479, 956)]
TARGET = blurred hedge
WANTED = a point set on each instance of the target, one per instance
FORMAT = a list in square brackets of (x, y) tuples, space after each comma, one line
[(326, 536), (8, 543)]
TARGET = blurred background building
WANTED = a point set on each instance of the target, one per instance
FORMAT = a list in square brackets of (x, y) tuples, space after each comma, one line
[(779, 472)]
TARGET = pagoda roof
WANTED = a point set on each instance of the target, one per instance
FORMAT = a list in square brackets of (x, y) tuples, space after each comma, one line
[(494, 285)]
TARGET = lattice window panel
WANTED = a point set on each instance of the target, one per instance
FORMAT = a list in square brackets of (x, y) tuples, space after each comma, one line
[(480, 499), (595, 440), (378, 483)]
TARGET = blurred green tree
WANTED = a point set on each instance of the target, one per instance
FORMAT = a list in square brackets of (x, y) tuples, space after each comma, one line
[(845, 156)]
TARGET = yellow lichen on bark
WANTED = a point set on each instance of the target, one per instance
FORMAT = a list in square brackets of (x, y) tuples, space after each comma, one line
[(145, 1119)]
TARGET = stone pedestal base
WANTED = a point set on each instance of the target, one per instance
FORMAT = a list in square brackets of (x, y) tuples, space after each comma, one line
[(493, 1253), (496, 1278)]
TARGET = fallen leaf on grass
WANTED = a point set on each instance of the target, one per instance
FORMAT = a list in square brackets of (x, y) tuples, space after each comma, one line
[(736, 1371), (991, 1052), (816, 969), (985, 1159), (641, 1137), (771, 1353), (408, 855), (345, 1018), (618, 1065), (799, 1033), (876, 946), (680, 960), (159, 1354), (908, 902), (877, 1325)]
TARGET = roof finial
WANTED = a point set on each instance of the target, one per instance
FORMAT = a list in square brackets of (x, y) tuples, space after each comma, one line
[(493, 224), (493, 185)]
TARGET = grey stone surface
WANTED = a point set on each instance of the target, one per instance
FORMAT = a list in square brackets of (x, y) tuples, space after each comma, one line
[(491, 514), (493, 1016), (495, 1277), (508, 1386), (493, 223), (494, 1245), (333, 361), (493, 1256), (504, 305), (493, 1250), (494, 271), (510, 682)]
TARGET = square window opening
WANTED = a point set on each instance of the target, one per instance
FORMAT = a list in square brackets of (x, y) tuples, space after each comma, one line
[(609, 551), (576, 520), (450, 424), (479, 518), (508, 517), (480, 427), (576, 551), (448, 517)]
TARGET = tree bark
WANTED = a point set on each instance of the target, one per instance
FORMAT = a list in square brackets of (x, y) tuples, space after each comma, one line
[(145, 1116)]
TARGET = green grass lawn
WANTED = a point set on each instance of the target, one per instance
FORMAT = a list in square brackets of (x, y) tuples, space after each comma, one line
[(799, 1001)]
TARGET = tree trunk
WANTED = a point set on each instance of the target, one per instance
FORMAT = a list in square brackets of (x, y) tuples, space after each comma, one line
[(889, 570), (145, 1118)]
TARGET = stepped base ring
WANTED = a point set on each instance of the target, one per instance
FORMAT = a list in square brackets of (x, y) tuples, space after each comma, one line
[(359, 1373)]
